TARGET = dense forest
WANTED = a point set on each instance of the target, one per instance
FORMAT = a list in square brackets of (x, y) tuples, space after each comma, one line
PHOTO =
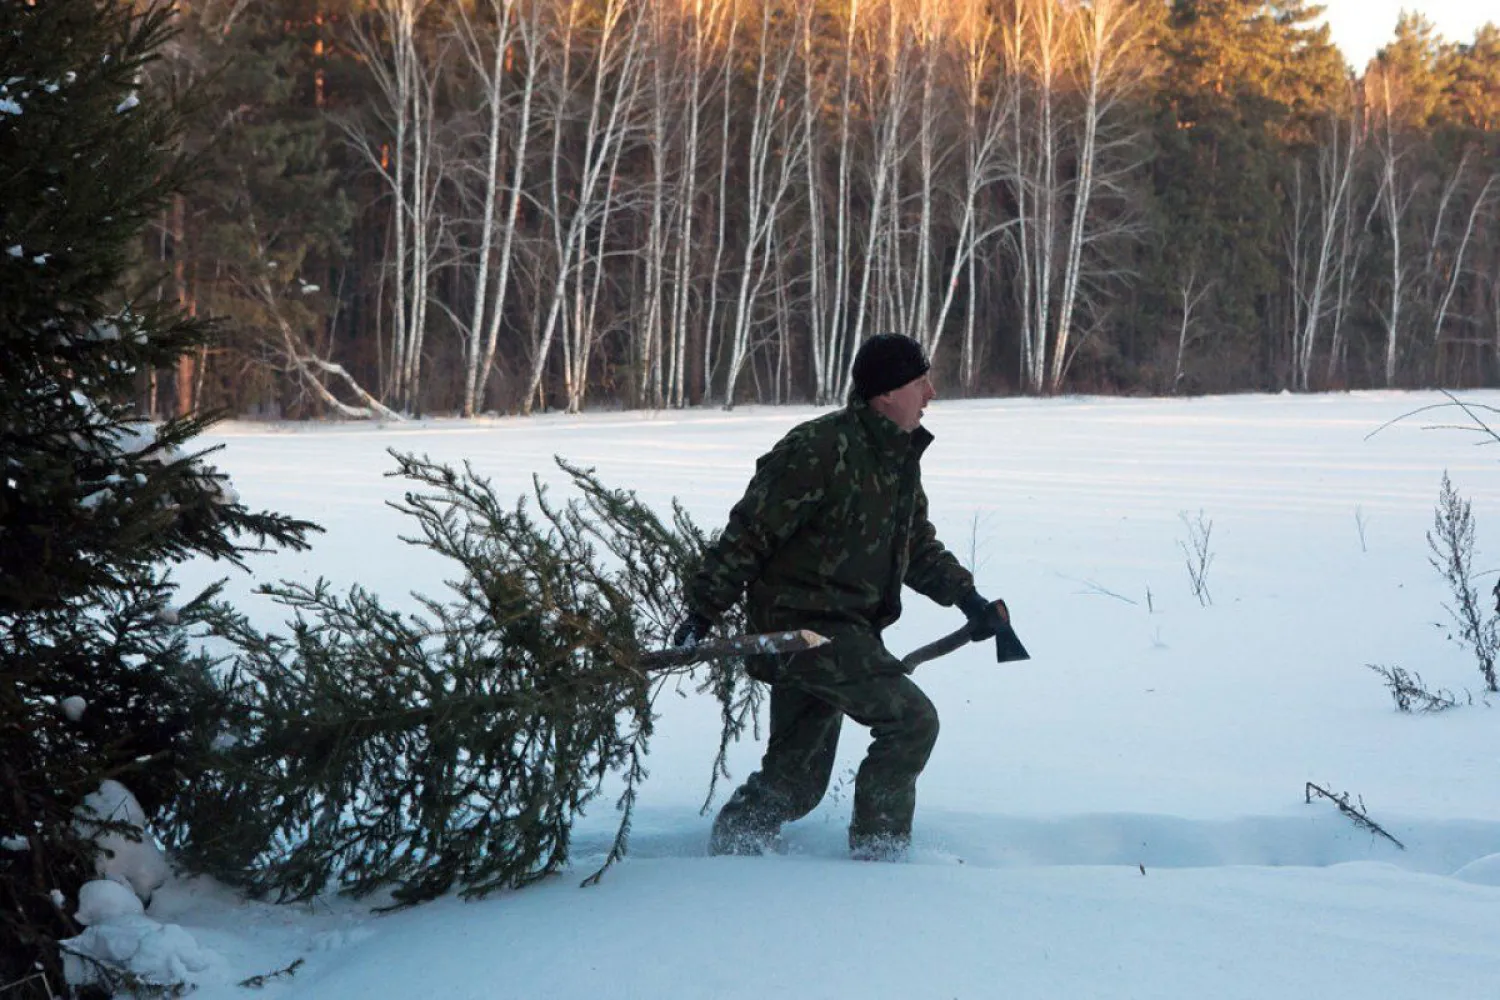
[(410, 207)]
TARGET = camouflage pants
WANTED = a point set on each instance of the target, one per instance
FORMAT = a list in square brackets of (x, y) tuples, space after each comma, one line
[(810, 695)]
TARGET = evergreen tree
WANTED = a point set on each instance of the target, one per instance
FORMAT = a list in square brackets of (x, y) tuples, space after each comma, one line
[(1244, 84), (94, 503), (373, 749), (261, 238), (1474, 90)]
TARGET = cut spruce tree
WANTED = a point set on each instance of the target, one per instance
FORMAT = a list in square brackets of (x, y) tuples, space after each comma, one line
[(412, 753)]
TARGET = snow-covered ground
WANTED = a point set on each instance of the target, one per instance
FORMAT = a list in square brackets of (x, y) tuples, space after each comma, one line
[(1122, 816)]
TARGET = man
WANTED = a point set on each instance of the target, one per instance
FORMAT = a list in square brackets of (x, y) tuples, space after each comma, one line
[(832, 524)]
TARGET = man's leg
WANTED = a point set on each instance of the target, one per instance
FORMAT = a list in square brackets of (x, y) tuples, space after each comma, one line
[(793, 774), (868, 684)]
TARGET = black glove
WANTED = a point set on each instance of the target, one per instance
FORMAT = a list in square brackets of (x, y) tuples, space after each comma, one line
[(693, 630), (986, 617)]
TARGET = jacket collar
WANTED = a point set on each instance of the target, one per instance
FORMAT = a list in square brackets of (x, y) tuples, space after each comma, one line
[(884, 433)]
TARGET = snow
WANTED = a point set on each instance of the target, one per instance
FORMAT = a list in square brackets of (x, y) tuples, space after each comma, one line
[(156, 952), (103, 900), (97, 499), (1122, 816), (138, 864), (73, 708)]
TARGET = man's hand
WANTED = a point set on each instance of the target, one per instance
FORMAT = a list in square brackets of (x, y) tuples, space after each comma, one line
[(693, 630), (986, 617)]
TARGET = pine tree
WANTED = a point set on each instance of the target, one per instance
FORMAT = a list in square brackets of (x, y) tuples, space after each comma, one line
[(1243, 86), (95, 503)]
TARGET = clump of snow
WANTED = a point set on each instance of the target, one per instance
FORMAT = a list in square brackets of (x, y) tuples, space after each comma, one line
[(9, 107), (139, 864), (129, 104), (16, 251), (112, 908), (74, 707), (13, 843), (97, 498), (137, 436), (103, 900), (156, 952)]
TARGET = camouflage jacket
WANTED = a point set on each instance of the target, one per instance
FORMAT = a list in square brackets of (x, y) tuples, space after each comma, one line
[(832, 524)]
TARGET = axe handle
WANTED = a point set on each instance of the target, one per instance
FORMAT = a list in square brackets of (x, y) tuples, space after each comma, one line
[(940, 647), (740, 645)]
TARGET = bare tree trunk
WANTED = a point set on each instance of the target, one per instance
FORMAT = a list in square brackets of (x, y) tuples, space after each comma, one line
[(1394, 208), (1191, 296), (706, 26), (839, 355), (490, 69), (721, 234), (1335, 175), (1347, 273), (1033, 342), (615, 79), (1457, 269), (885, 94), (1107, 34), (983, 140), (814, 92), (776, 143), (405, 163)]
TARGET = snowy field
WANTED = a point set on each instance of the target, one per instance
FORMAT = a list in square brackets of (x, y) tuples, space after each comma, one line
[(1123, 816)]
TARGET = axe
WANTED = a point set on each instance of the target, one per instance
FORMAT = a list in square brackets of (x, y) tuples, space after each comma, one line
[(739, 645), (1007, 646)]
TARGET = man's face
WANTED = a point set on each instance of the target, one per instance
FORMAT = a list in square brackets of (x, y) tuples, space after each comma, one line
[(904, 406)]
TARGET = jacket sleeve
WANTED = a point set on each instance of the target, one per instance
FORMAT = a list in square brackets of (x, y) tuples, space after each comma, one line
[(790, 482), (932, 570)]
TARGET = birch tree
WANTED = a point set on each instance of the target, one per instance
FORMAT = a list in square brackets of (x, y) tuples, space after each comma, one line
[(885, 90), (985, 116), (577, 187), (772, 161), (833, 351), (1071, 147), (1108, 34), (1393, 201), (404, 155), (706, 72), (509, 28), (1335, 165)]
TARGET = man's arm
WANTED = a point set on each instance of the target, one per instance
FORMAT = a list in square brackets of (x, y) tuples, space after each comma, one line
[(789, 484), (932, 570)]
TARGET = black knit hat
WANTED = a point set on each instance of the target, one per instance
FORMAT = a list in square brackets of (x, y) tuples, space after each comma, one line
[(887, 361)]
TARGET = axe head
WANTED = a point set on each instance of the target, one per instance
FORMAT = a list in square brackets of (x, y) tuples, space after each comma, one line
[(1008, 646)]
